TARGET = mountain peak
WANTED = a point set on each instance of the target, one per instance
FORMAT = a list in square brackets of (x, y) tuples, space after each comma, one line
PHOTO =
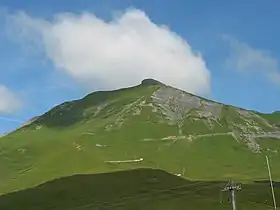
[(113, 128), (150, 81)]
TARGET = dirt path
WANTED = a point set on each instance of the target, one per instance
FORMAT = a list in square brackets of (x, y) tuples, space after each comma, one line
[(125, 161), (233, 134)]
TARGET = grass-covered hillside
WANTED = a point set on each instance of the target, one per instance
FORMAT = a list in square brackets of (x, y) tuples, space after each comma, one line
[(136, 189), (148, 126)]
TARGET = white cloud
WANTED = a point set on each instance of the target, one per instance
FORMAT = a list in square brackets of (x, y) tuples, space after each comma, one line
[(118, 53), (243, 57), (9, 102)]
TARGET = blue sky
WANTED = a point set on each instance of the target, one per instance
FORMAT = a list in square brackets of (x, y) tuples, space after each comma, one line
[(237, 41)]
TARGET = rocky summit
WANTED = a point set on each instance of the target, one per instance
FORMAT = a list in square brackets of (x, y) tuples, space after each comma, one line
[(151, 125)]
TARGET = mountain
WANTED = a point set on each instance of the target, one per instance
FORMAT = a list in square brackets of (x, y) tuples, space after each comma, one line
[(144, 189), (151, 125)]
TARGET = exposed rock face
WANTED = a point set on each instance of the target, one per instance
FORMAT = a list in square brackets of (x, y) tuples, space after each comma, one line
[(178, 107)]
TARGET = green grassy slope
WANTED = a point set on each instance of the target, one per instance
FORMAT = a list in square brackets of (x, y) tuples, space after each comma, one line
[(135, 189), (273, 117), (171, 130)]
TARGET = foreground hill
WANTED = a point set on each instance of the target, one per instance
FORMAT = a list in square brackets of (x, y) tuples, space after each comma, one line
[(148, 126), (136, 189)]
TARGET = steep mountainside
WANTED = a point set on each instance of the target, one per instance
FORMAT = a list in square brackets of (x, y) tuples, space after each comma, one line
[(151, 125)]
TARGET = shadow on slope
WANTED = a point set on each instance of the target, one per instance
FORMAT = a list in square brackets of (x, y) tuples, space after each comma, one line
[(135, 189)]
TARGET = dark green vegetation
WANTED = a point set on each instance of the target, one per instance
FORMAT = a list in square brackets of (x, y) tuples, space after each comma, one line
[(147, 126), (136, 189), (273, 117)]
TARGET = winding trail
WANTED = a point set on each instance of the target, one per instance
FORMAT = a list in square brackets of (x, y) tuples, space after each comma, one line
[(233, 134)]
